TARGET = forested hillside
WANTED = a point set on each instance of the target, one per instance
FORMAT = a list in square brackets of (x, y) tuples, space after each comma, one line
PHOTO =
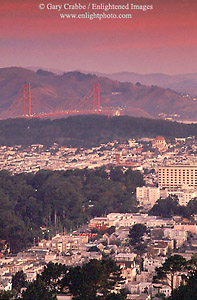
[(87, 131), (61, 200)]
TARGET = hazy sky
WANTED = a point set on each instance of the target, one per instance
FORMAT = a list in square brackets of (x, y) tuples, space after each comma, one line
[(162, 40)]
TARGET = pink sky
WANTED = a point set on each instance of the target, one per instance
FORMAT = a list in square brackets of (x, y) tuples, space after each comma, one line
[(163, 40)]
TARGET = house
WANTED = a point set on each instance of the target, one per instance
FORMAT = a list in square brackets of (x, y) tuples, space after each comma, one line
[(160, 288), (138, 297), (99, 222), (144, 297), (64, 297), (129, 274), (139, 290), (178, 235), (150, 264)]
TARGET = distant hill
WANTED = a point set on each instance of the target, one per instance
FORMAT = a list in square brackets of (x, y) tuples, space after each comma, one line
[(52, 92), (181, 83)]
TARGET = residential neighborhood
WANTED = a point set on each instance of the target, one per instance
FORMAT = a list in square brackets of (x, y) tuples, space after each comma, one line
[(168, 167)]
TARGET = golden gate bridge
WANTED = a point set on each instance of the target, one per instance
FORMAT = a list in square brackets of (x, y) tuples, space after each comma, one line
[(23, 103)]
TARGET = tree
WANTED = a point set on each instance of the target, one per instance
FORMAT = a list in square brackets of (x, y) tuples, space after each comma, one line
[(93, 249), (166, 207), (136, 233), (114, 296), (94, 280), (187, 291), (116, 174), (161, 296), (19, 281), (38, 290), (60, 199), (111, 230), (192, 207), (173, 265), (51, 276), (6, 295)]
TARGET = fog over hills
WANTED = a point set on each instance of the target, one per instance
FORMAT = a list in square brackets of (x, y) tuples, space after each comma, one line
[(55, 92)]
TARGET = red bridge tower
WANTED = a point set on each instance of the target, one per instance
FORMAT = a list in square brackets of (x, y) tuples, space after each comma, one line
[(27, 100)]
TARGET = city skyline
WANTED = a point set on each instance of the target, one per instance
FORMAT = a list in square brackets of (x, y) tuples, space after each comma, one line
[(161, 40)]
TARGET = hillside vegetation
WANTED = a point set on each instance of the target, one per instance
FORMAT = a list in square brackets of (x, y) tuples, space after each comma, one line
[(87, 131), (61, 200)]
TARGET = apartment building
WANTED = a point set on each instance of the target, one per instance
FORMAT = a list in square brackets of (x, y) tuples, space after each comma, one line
[(147, 195), (172, 177)]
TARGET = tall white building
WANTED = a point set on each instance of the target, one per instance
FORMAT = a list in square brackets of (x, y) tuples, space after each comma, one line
[(177, 176)]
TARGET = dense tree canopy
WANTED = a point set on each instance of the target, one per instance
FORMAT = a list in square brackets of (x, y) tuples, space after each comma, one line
[(170, 207), (94, 280), (173, 265), (136, 240), (6, 295), (52, 275), (136, 233), (87, 131), (38, 290), (60, 200), (19, 281), (187, 291)]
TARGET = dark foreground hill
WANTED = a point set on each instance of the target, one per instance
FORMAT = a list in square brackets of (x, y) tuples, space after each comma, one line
[(88, 130), (52, 92)]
